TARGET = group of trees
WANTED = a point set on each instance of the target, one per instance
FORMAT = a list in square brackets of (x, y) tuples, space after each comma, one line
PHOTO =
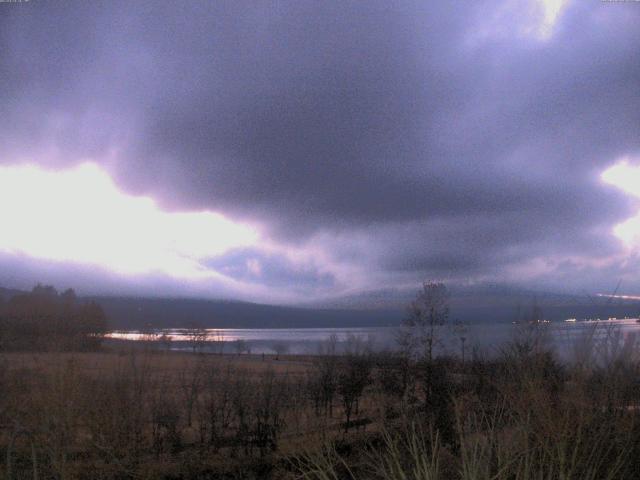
[(44, 319), (341, 379), (346, 377), (519, 414), (136, 416)]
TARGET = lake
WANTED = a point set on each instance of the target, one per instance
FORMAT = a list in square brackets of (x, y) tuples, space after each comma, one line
[(487, 338)]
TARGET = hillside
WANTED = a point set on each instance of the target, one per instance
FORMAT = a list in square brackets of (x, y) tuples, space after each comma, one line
[(179, 312), (481, 306)]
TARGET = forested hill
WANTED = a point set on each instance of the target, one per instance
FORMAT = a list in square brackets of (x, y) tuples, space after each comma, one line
[(135, 313), (125, 313), (132, 313)]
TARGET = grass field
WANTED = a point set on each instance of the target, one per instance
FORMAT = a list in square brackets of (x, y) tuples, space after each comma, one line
[(133, 412)]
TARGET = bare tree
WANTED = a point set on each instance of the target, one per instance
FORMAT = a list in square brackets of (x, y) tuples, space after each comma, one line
[(268, 411), (461, 331), (280, 348), (190, 380), (427, 313), (217, 341), (323, 382), (240, 346), (530, 334), (353, 377), (149, 337), (213, 408), (359, 344), (166, 340), (396, 377), (328, 346), (198, 336)]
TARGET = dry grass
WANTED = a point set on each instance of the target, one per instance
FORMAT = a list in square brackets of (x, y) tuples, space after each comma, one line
[(125, 411), (101, 362), (131, 413)]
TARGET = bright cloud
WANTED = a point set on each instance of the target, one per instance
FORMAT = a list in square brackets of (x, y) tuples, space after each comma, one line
[(530, 18), (79, 215), (626, 176), (551, 10)]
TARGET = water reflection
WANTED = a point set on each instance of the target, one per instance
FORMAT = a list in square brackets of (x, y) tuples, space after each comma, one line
[(566, 337)]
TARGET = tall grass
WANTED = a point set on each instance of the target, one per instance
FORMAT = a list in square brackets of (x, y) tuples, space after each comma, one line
[(406, 455), (543, 421), (577, 450)]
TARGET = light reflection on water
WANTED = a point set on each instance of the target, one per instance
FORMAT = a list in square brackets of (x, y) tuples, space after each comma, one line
[(487, 338), (253, 334)]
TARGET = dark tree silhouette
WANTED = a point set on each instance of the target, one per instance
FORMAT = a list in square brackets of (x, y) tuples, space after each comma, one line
[(427, 313), (45, 320)]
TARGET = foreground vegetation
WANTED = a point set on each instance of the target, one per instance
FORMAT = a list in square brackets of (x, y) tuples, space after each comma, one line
[(136, 413), (72, 408)]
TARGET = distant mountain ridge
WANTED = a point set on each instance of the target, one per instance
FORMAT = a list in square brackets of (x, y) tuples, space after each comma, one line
[(467, 305), (478, 308), (128, 313)]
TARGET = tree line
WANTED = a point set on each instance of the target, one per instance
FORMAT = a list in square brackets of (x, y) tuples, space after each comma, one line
[(44, 320)]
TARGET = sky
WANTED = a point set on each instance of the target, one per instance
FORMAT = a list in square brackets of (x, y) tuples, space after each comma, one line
[(288, 152)]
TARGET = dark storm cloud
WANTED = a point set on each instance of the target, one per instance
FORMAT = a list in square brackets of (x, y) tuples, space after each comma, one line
[(413, 137)]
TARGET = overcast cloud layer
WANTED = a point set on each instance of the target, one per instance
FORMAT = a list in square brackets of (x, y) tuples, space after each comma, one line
[(374, 144)]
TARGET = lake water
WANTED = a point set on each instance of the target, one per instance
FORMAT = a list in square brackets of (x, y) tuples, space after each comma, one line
[(565, 337)]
